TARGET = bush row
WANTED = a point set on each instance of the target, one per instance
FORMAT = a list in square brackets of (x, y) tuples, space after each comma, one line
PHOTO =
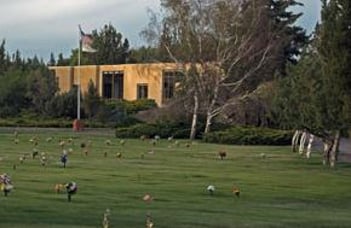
[(250, 136), (233, 135), (132, 107), (46, 123), (164, 130)]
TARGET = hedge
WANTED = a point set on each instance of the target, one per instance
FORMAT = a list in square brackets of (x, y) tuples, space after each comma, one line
[(249, 136), (47, 123), (164, 130)]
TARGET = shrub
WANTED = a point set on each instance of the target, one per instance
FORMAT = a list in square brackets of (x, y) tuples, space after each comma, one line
[(164, 130), (249, 136), (132, 107)]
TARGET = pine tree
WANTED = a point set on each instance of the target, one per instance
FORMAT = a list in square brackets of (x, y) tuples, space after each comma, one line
[(110, 46), (52, 61), (61, 61), (293, 38), (317, 93), (91, 101), (3, 67)]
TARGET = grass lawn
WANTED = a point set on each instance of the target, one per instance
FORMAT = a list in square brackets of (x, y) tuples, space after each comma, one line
[(281, 190)]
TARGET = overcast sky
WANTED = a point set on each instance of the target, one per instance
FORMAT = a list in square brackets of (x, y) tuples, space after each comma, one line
[(44, 26)]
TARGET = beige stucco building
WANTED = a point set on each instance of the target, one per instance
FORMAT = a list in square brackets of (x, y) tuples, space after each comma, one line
[(155, 81)]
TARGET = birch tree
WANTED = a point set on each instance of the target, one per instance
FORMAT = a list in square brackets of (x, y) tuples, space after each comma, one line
[(231, 44)]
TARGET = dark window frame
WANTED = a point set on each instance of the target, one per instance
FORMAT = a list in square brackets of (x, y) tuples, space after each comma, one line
[(113, 84), (169, 80), (142, 91)]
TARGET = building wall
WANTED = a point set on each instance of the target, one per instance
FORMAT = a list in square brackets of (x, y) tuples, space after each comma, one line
[(64, 76), (87, 73), (133, 74)]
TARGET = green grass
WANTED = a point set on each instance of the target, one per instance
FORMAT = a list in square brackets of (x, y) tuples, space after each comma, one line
[(282, 190)]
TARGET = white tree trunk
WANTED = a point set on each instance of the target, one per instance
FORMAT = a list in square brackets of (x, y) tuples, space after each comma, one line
[(194, 121), (210, 110), (302, 142), (295, 140), (335, 149), (208, 123), (309, 146)]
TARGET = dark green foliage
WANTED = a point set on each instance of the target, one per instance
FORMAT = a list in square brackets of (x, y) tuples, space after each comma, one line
[(293, 38), (144, 55), (3, 65), (164, 130), (26, 84), (316, 95), (120, 112), (249, 136), (41, 89), (61, 61), (52, 61), (110, 45), (295, 98), (132, 107), (334, 48), (13, 93), (91, 101), (64, 105), (85, 58), (33, 120), (113, 115), (18, 63)]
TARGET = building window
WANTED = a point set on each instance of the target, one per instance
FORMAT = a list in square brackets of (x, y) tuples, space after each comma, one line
[(112, 84), (142, 91), (170, 80), (107, 86)]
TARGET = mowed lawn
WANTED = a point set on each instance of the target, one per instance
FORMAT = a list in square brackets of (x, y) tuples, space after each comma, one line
[(280, 190)]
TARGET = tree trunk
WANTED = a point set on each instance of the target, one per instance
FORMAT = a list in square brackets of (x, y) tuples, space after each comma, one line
[(194, 121), (302, 142), (309, 146), (208, 123), (210, 110), (326, 152), (335, 149), (295, 140)]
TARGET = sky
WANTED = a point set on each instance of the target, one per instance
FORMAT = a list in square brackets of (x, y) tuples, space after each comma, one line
[(44, 26)]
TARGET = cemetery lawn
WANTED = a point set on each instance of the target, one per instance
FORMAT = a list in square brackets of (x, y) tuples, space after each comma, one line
[(278, 188)]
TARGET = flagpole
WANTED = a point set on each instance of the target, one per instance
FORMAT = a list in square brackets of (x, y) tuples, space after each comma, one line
[(78, 89)]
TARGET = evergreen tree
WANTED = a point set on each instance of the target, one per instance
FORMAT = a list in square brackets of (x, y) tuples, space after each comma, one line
[(3, 66), (41, 88), (17, 60), (143, 55), (63, 105), (85, 58), (293, 38), (52, 61), (91, 101), (61, 61), (110, 46), (317, 94), (13, 93)]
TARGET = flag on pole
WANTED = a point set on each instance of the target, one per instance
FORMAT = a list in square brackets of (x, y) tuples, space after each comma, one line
[(87, 41)]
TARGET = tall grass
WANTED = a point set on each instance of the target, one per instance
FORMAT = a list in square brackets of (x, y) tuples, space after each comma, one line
[(278, 190)]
